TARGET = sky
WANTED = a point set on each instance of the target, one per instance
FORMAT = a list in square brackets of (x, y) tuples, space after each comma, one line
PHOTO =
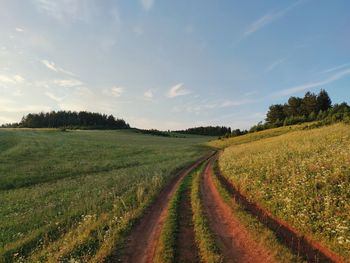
[(170, 64)]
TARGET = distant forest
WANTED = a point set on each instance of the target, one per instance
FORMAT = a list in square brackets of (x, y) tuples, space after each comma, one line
[(208, 130), (71, 120), (312, 107)]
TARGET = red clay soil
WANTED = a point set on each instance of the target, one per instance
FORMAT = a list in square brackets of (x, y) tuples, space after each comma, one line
[(233, 239), (300, 244), (144, 237), (186, 247)]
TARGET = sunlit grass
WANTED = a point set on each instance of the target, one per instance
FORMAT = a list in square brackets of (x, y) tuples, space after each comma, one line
[(255, 136), (68, 195), (302, 177)]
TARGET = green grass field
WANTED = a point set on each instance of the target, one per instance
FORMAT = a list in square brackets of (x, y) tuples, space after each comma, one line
[(302, 177), (67, 195)]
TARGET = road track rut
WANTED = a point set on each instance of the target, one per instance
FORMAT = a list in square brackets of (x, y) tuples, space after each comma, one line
[(143, 239), (233, 239)]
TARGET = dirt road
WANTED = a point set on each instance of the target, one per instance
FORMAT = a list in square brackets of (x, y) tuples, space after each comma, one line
[(233, 239), (143, 239)]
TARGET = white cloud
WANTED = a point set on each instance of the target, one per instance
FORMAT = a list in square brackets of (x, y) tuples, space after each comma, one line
[(147, 4), (114, 91), (316, 84), (148, 94), (269, 18), (18, 29), (68, 83), (14, 79), (178, 90), (52, 66)]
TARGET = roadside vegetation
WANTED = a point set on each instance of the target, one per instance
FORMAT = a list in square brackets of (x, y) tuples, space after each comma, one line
[(166, 248), (255, 136), (301, 177), (260, 233), (208, 250), (71, 195)]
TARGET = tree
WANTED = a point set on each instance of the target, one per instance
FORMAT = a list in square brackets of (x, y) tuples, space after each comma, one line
[(275, 113), (294, 106), (323, 100), (309, 104)]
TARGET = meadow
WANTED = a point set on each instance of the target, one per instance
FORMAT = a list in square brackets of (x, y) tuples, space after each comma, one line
[(72, 195), (302, 177), (256, 136)]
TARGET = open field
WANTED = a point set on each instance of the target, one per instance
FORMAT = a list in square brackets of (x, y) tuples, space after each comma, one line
[(71, 194), (107, 196), (301, 177)]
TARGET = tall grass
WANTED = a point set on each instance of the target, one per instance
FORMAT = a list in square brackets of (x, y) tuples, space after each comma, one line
[(53, 184), (260, 233), (255, 136), (301, 177)]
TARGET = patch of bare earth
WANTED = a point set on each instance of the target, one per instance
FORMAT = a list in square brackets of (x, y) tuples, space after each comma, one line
[(232, 237)]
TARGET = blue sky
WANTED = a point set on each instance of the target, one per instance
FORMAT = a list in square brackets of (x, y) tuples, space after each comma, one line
[(170, 64)]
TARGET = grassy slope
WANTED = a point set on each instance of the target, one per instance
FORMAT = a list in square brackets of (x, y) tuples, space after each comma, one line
[(301, 177), (260, 233), (82, 184), (255, 136)]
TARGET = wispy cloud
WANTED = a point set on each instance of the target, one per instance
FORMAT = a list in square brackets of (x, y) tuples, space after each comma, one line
[(66, 11), (275, 64), (114, 91), (178, 90), (18, 29), (201, 106), (13, 79), (148, 94), (335, 68), (53, 96), (52, 66), (147, 4), (269, 18), (310, 85), (68, 83)]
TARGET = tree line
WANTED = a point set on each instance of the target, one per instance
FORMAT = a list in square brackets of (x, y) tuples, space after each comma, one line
[(312, 107), (207, 130), (70, 119), (307, 107)]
